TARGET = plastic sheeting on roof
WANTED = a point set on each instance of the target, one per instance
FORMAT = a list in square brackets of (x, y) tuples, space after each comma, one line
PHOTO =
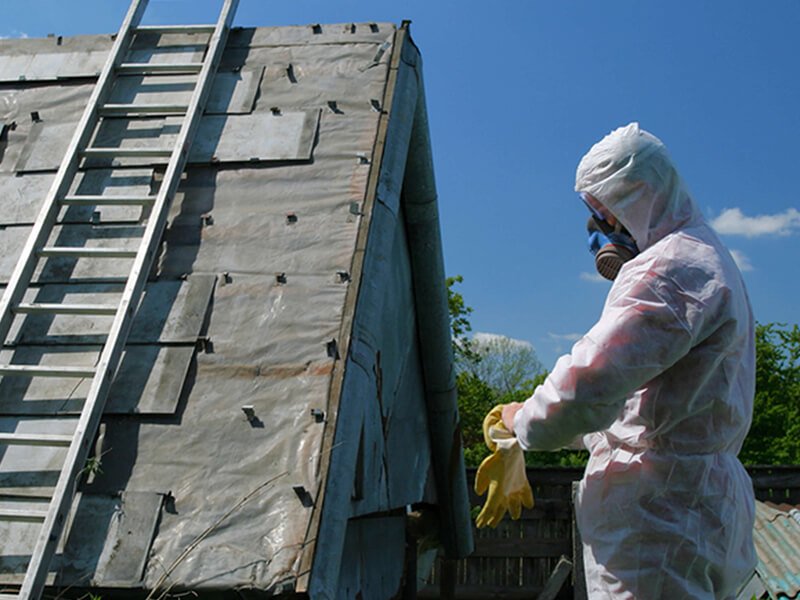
[(224, 483)]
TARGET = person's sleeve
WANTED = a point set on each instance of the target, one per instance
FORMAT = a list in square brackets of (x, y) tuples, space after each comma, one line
[(646, 327)]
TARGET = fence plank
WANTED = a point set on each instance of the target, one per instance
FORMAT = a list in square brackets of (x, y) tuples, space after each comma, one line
[(531, 548), (515, 560)]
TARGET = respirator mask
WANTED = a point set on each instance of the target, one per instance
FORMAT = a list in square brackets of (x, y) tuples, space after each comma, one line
[(611, 246)]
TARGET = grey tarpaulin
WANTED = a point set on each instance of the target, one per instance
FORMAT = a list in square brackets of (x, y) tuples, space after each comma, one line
[(300, 278)]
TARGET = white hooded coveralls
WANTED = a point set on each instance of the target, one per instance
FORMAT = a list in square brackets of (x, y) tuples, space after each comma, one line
[(663, 384)]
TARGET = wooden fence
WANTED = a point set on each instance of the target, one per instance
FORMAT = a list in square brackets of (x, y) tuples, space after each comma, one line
[(515, 560)]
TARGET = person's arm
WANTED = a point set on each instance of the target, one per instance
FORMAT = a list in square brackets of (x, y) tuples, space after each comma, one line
[(644, 329)]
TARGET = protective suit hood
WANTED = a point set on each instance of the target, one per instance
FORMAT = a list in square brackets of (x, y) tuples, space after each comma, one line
[(630, 172)]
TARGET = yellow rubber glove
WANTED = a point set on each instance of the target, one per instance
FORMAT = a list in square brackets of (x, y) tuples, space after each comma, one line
[(502, 474)]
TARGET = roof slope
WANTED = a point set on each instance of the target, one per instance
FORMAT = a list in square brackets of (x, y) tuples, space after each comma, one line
[(210, 453)]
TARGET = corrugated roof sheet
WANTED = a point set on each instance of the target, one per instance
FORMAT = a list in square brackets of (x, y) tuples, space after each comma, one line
[(777, 538)]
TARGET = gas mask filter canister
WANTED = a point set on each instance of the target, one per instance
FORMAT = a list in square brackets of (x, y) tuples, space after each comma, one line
[(611, 247)]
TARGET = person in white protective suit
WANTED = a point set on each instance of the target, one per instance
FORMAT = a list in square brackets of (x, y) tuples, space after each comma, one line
[(661, 389)]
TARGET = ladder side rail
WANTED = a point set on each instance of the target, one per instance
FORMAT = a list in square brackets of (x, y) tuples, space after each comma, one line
[(42, 228), (115, 342)]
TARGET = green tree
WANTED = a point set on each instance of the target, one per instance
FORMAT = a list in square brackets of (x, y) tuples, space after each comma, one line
[(459, 323), (774, 436), (498, 372), (504, 363), (475, 399)]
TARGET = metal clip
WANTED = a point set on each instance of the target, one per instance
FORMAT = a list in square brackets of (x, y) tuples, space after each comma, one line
[(303, 495)]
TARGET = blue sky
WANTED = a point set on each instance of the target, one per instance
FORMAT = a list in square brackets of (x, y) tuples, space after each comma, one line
[(519, 90)]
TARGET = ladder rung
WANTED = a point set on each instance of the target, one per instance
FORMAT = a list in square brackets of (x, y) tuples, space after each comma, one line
[(126, 152), (66, 309), (158, 68), (107, 200), (35, 439), (43, 371), (162, 29), (87, 252), (10, 514), (9, 597), (143, 109)]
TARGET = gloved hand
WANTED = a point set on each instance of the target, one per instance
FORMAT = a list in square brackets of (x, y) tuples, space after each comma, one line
[(502, 473)]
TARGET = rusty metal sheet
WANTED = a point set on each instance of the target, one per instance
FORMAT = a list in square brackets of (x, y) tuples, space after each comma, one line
[(149, 380)]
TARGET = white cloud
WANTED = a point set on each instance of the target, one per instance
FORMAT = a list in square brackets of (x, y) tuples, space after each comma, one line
[(562, 342), (732, 221), (566, 337), (15, 34), (482, 337), (742, 261), (593, 277)]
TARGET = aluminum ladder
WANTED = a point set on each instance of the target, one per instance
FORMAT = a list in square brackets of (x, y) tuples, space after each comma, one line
[(35, 250)]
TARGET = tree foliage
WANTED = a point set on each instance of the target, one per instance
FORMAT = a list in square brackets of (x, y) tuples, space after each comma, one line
[(503, 363), (774, 436), (459, 323)]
